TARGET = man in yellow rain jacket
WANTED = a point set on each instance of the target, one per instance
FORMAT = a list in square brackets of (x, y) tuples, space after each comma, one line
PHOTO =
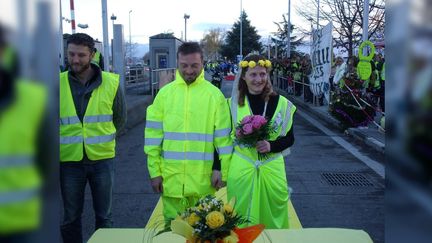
[(187, 121)]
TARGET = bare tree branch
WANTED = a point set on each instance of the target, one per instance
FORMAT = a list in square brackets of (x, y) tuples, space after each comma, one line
[(347, 19)]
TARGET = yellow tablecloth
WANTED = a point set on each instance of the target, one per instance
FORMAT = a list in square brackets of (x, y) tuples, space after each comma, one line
[(309, 235)]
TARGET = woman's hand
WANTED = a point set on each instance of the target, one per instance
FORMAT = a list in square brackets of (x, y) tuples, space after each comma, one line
[(263, 146)]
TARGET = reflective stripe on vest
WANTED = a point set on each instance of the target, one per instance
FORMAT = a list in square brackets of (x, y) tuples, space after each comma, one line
[(154, 124), (15, 161), (257, 163), (18, 196), (287, 118), (188, 136), (187, 155), (225, 150)]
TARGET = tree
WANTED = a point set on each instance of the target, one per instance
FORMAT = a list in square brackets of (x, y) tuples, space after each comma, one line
[(251, 39), (211, 43), (281, 35), (146, 58), (347, 19)]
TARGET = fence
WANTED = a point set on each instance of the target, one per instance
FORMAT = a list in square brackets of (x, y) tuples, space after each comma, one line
[(137, 74), (289, 86), (160, 77)]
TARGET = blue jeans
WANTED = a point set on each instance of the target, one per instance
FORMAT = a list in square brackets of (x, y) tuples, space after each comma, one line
[(73, 180)]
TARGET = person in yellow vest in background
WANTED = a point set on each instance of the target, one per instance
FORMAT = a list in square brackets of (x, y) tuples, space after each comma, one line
[(92, 110), (22, 119), (187, 121), (98, 59)]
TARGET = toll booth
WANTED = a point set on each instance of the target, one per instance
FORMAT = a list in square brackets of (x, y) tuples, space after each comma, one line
[(163, 51)]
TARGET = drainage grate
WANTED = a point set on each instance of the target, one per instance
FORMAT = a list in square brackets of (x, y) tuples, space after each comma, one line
[(346, 179)]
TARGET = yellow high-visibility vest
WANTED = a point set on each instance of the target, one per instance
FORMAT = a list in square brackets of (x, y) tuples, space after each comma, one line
[(20, 182), (184, 125), (96, 58), (97, 131), (282, 120)]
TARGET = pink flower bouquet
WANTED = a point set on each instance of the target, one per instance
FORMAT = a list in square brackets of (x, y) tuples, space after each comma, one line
[(252, 129)]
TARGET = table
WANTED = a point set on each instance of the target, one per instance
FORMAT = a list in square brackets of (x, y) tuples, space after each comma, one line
[(305, 235)]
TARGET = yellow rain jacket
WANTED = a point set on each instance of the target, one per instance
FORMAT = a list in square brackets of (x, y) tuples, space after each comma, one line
[(184, 125)]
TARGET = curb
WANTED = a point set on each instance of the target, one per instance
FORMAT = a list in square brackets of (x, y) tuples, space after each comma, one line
[(334, 123), (367, 140)]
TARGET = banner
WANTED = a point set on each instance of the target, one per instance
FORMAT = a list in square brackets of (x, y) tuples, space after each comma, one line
[(322, 48)]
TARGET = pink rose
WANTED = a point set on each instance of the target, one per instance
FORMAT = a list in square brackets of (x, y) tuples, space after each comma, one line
[(256, 124), (247, 129), (246, 120), (259, 120)]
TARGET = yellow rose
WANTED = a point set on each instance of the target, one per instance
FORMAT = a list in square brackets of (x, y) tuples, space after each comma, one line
[(252, 64), (232, 238), (228, 208), (215, 219), (193, 219), (267, 63), (244, 64), (261, 63)]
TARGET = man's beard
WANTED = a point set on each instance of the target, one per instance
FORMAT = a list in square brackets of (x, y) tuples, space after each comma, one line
[(189, 78), (77, 69)]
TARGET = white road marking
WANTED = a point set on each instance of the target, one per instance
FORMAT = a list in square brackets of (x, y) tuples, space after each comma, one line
[(374, 165)]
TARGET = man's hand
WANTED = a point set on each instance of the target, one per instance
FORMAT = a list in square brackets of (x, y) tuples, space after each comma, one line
[(156, 184), (263, 146), (216, 179)]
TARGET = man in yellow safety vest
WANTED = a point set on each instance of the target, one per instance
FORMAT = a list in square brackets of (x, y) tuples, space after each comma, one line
[(92, 110)]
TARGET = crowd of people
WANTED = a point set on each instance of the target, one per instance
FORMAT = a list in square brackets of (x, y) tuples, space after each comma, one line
[(353, 101)]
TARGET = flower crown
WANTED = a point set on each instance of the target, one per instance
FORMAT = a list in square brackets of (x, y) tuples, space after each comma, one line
[(252, 64)]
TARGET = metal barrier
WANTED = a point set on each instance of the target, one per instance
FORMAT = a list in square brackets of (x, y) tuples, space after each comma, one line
[(289, 86), (137, 74), (160, 77)]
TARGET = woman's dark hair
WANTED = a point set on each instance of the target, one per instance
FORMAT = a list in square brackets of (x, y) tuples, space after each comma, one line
[(82, 40), (242, 86)]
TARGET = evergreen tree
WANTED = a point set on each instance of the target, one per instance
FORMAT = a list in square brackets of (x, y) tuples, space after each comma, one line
[(251, 40), (280, 38)]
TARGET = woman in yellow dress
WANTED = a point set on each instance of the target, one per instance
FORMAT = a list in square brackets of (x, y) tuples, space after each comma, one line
[(260, 186)]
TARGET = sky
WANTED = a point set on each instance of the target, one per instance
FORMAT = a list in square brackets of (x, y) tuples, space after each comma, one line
[(149, 18)]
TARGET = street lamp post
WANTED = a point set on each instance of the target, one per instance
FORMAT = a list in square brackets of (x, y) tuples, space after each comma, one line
[(130, 37), (186, 17), (113, 17), (241, 31), (289, 30), (311, 38)]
